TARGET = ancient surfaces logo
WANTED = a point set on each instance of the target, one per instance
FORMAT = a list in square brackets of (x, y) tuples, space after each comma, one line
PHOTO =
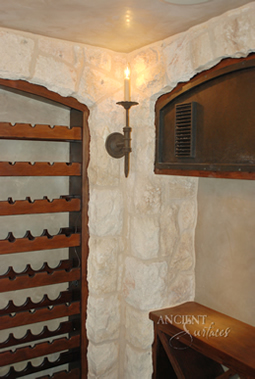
[(201, 329)]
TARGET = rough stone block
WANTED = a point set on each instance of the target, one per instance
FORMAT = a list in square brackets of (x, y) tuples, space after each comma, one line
[(147, 195), (108, 116), (16, 55), (144, 283), (111, 374), (98, 57), (103, 169), (62, 50), (144, 237), (187, 214), (233, 35), (178, 187), (142, 115), (105, 119), (61, 78), (138, 364), (103, 320), (143, 150), (106, 212), (102, 359), (151, 81), (145, 58), (96, 85), (103, 265), (139, 329), (202, 53), (169, 230), (177, 53)]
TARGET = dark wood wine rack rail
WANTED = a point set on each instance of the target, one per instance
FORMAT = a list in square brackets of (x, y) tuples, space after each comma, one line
[(29, 243), (39, 169), (69, 339), (19, 207), (39, 132)]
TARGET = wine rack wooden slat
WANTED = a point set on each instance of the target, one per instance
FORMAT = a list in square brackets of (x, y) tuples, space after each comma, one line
[(39, 169), (21, 207), (66, 264), (39, 280), (44, 348), (64, 328), (39, 315), (63, 298), (39, 132), (64, 358), (73, 374), (21, 245)]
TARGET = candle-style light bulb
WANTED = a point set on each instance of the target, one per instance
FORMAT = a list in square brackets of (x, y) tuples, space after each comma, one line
[(127, 73), (127, 84)]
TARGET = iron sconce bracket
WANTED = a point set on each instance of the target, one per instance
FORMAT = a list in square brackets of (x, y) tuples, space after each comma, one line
[(119, 145)]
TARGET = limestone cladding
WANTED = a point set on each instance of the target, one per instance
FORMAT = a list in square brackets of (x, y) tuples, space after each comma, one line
[(141, 228)]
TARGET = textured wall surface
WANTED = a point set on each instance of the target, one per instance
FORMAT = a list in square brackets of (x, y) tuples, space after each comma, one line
[(225, 247), (141, 228)]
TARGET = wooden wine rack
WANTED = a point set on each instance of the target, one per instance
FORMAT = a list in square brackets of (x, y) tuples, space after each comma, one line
[(71, 303)]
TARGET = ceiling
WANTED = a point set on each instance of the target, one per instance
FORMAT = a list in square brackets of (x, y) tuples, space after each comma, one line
[(119, 25)]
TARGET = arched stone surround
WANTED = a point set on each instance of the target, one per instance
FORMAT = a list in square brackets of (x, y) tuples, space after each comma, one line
[(141, 228)]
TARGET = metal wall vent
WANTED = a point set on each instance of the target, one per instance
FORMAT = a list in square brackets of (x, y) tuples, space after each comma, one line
[(185, 130)]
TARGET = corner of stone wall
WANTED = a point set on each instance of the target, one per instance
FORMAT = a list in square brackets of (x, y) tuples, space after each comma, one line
[(141, 228)]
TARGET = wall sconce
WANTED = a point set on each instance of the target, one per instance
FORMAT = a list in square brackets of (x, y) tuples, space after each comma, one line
[(119, 145)]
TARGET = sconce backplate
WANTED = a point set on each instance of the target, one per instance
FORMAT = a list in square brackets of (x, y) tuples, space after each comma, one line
[(115, 145)]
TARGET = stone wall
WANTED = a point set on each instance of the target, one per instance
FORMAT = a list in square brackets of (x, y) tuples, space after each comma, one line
[(141, 228)]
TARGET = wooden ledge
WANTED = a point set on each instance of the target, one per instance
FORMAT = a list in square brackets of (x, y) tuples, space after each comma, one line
[(217, 336)]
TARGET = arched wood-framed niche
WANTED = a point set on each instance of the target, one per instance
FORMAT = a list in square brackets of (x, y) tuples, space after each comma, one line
[(70, 338), (205, 127)]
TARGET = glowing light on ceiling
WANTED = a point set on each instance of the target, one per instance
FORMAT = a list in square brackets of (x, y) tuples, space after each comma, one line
[(128, 17), (186, 2)]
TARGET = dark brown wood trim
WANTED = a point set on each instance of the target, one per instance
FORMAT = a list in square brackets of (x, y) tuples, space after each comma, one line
[(84, 244), (207, 173)]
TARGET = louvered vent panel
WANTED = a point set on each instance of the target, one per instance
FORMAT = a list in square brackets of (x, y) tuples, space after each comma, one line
[(184, 130)]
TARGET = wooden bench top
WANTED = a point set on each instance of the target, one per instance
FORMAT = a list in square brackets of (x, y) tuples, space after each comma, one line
[(222, 338)]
